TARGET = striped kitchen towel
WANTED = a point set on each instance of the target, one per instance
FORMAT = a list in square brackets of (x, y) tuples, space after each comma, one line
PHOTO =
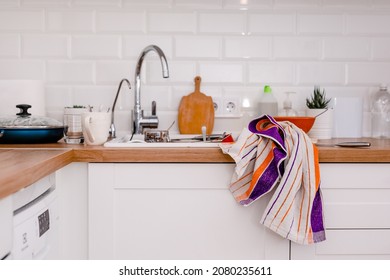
[(280, 157)]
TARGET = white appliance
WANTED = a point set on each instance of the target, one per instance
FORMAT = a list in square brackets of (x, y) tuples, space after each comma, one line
[(35, 221)]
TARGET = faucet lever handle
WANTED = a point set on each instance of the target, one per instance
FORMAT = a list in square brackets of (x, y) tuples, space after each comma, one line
[(154, 109)]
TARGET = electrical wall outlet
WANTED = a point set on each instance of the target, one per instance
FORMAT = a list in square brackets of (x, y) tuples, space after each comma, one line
[(231, 106), (218, 110), (227, 107)]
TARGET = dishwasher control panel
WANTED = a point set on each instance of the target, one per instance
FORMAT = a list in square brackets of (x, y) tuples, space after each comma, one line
[(35, 222)]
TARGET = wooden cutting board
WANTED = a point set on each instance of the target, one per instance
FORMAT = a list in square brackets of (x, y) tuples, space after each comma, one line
[(196, 110)]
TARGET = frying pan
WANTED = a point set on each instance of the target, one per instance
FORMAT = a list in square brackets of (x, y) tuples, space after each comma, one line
[(30, 135), (27, 129)]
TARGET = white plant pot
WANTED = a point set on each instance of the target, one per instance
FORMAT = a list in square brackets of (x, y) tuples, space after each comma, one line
[(323, 125)]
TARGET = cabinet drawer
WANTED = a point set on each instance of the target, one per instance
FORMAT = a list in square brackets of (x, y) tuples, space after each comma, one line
[(347, 244), (356, 195), (355, 176), (356, 208), (181, 176)]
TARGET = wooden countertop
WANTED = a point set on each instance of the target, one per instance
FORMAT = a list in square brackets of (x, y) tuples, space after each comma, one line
[(22, 165)]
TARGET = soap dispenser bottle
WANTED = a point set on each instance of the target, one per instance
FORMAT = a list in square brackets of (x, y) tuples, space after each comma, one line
[(268, 103), (287, 106)]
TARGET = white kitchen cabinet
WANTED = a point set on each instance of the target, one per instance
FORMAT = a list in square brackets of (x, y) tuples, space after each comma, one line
[(72, 187), (357, 213), (174, 211)]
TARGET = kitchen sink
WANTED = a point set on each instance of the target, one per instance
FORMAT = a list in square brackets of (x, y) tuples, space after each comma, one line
[(181, 141)]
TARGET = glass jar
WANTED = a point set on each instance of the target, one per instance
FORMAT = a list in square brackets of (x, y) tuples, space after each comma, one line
[(73, 131), (380, 113)]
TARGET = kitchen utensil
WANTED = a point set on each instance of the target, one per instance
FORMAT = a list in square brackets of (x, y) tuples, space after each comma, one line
[(196, 110), (156, 135), (27, 129), (304, 123), (209, 137), (352, 144), (96, 126), (204, 133), (322, 112), (73, 132), (171, 125)]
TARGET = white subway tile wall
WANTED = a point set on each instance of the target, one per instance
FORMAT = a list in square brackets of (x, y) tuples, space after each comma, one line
[(273, 73), (9, 45), (269, 22), (70, 72), (45, 46), (318, 23), (198, 47), (112, 72), (297, 48), (247, 47), (83, 48), (325, 73), (26, 69), (171, 21), (21, 20), (380, 49), (69, 20), (222, 23), (342, 48), (120, 21), (96, 47)]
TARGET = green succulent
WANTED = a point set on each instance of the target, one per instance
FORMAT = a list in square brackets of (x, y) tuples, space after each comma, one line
[(318, 100)]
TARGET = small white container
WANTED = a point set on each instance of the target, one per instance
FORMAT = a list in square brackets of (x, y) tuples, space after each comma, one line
[(323, 125)]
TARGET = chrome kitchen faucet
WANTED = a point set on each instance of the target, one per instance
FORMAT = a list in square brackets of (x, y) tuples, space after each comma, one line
[(112, 127), (139, 120)]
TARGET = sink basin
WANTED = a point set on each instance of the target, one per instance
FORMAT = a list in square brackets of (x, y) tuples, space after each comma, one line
[(137, 142)]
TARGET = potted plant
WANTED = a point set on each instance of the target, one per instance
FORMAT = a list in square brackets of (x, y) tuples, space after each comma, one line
[(318, 107), (318, 100)]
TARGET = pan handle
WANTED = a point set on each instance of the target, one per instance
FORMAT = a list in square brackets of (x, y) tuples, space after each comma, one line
[(1, 133)]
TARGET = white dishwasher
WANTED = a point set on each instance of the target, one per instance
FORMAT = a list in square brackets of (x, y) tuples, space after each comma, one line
[(6, 231), (35, 221)]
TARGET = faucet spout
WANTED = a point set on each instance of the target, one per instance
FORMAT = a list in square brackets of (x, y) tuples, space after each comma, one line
[(112, 127), (139, 120)]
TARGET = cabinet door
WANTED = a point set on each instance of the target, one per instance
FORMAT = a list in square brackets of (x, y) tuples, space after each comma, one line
[(356, 195), (357, 213), (347, 244), (174, 211)]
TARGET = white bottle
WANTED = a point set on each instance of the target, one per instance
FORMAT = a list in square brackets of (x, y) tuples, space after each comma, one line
[(268, 103), (380, 113), (287, 107)]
